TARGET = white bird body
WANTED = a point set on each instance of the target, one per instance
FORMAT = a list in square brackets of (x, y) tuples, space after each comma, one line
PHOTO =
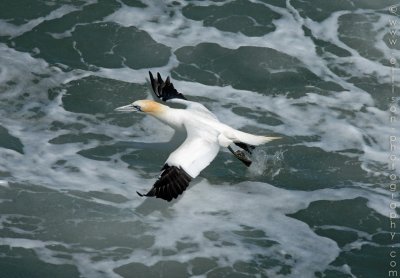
[(205, 135)]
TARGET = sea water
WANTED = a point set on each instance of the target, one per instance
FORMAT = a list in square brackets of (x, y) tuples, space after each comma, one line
[(313, 204)]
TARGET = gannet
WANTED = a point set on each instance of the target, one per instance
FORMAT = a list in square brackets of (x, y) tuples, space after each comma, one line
[(205, 135)]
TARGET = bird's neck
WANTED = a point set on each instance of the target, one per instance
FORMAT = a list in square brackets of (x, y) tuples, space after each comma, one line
[(169, 116)]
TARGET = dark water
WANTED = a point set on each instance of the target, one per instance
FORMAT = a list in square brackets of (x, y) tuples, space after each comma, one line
[(314, 204)]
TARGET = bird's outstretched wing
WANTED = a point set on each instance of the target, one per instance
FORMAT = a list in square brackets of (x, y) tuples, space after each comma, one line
[(171, 183), (164, 90), (185, 163)]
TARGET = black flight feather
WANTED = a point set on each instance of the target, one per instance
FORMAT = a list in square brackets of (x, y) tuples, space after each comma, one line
[(164, 90), (170, 184)]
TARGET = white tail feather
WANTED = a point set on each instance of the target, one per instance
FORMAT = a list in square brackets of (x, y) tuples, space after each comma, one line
[(247, 138)]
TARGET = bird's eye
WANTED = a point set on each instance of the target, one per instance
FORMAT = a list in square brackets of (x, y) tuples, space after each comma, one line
[(137, 107)]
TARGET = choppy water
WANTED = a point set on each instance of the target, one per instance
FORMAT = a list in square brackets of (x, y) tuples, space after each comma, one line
[(315, 204)]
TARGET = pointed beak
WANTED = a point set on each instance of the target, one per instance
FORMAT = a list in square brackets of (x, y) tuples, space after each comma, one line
[(127, 108)]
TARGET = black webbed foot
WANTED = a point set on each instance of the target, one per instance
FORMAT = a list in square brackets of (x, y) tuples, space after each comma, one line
[(241, 156), (246, 147)]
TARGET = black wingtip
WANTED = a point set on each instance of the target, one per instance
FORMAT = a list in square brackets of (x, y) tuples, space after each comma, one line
[(171, 183), (140, 194), (151, 77), (159, 79), (167, 198), (153, 83), (164, 90)]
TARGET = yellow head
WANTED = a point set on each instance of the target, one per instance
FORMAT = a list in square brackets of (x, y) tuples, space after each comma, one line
[(144, 105)]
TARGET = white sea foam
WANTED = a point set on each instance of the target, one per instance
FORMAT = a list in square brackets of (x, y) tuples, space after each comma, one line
[(222, 209), (356, 64), (8, 29), (4, 183), (170, 30)]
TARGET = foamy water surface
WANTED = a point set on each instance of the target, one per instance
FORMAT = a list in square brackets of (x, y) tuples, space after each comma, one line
[(314, 204)]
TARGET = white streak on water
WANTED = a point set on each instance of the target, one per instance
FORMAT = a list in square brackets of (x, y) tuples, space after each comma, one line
[(8, 29)]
